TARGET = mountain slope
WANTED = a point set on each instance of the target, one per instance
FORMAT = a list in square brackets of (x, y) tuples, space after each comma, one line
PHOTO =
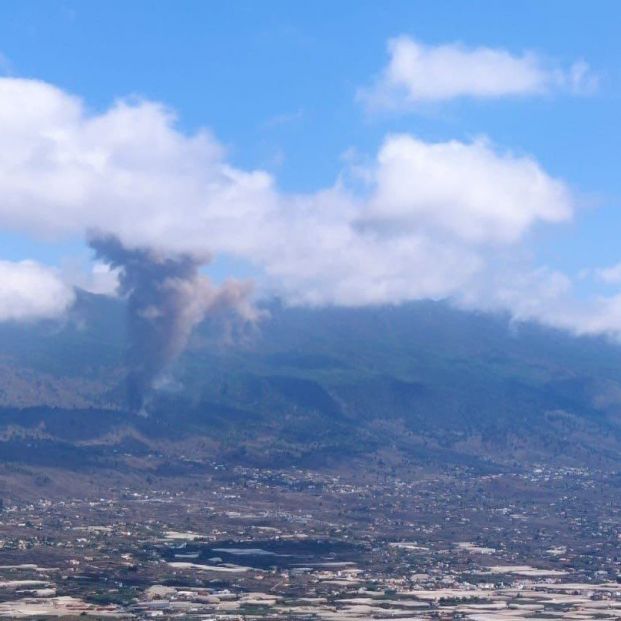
[(422, 382)]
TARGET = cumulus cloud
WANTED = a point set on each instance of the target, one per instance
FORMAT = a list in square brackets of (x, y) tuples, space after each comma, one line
[(421, 220), (610, 275), (423, 73), (546, 296), (467, 190), (128, 170), (30, 291), (412, 231), (96, 277)]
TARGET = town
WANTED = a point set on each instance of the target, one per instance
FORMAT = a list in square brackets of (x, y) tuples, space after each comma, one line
[(375, 543)]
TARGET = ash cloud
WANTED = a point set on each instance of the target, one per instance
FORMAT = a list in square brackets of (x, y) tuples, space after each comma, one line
[(167, 297)]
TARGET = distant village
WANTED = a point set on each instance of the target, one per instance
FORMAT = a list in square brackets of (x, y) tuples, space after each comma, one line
[(248, 543)]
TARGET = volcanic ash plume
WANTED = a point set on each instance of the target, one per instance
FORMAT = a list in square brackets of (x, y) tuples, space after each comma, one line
[(166, 298)]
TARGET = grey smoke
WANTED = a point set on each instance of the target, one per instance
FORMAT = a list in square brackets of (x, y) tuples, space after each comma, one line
[(167, 297)]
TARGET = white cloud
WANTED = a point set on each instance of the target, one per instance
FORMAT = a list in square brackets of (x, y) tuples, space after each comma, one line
[(603, 316), (421, 73), (539, 294), (466, 190), (130, 172), (546, 296), (96, 277), (30, 291), (609, 275), (423, 220), (127, 170)]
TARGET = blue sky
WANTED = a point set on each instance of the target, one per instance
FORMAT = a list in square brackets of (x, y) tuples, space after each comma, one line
[(282, 76), (278, 84)]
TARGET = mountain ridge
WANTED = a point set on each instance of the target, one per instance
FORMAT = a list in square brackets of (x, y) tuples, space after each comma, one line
[(422, 382)]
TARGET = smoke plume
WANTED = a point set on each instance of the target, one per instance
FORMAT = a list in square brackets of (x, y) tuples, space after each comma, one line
[(166, 298)]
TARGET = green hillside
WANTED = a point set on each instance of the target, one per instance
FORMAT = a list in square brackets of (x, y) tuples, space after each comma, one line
[(422, 382)]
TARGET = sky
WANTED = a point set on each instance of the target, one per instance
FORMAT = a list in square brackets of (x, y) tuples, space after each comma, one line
[(346, 153)]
